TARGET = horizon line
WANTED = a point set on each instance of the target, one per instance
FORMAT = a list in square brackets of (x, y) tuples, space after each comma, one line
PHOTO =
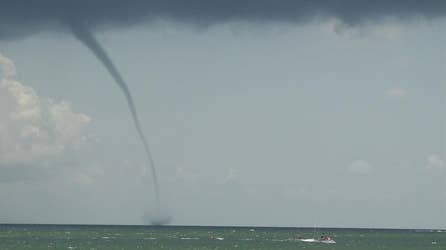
[(222, 226)]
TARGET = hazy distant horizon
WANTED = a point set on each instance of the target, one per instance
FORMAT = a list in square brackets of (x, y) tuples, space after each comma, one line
[(217, 226)]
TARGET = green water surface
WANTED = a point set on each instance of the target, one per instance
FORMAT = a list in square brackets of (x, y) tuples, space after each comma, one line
[(180, 237)]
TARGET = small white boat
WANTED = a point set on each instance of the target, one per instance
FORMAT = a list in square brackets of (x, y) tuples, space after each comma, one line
[(311, 240), (330, 241)]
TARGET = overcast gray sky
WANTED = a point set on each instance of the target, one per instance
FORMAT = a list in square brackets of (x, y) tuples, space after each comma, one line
[(324, 122)]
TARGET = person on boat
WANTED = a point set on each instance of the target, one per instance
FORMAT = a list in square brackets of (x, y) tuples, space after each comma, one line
[(325, 237)]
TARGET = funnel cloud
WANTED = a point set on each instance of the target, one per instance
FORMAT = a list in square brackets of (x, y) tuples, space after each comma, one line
[(82, 33)]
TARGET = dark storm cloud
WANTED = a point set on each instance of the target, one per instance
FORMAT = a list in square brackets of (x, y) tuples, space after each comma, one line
[(23, 17)]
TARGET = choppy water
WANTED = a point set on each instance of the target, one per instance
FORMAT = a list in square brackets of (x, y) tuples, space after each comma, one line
[(179, 237)]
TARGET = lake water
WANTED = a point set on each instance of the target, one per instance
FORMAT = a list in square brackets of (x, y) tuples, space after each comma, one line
[(181, 237)]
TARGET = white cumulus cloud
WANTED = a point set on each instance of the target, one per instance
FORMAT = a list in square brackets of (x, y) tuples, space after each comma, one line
[(35, 131), (435, 161), (232, 176), (360, 167), (396, 93), (186, 175)]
